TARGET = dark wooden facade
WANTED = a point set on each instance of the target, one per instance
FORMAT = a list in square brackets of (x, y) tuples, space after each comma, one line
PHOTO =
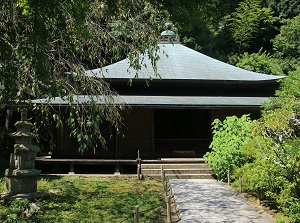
[(155, 133)]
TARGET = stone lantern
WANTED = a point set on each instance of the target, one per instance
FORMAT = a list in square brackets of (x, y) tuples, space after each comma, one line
[(21, 176)]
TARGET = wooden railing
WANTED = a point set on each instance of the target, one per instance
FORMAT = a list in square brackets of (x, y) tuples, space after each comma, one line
[(167, 146)]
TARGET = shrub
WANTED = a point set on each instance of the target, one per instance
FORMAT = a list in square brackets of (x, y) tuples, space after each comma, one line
[(261, 177), (269, 178), (229, 137), (289, 201)]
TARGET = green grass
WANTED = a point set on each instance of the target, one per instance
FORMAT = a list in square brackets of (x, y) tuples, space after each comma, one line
[(92, 199)]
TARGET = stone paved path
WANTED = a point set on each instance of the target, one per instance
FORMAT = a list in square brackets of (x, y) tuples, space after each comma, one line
[(211, 201)]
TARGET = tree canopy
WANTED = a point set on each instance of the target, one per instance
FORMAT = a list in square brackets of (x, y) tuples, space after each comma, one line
[(47, 46)]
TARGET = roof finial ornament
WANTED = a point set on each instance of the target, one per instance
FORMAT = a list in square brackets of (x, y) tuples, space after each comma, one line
[(169, 36)]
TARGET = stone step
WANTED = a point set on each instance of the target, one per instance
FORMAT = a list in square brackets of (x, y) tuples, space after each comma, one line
[(174, 160), (183, 176), (176, 166), (184, 160), (177, 171)]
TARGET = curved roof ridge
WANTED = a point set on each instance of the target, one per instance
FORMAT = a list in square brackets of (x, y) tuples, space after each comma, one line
[(178, 62)]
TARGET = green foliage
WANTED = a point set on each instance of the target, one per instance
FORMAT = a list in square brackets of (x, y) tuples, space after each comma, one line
[(229, 137), (16, 208), (283, 8), (270, 170), (261, 62), (2, 185), (287, 41), (292, 208), (19, 205), (273, 155), (43, 40), (282, 219), (281, 146), (47, 46), (279, 126), (261, 176), (93, 199), (248, 21), (289, 201), (289, 92)]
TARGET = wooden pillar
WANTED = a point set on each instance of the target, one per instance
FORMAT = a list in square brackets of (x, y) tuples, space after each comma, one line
[(117, 146), (117, 171), (71, 168), (136, 214), (228, 177), (168, 201), (152, 133)]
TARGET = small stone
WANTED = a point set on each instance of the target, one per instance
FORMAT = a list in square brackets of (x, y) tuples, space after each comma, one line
[(33, 207), (67, 183), (55, 191)]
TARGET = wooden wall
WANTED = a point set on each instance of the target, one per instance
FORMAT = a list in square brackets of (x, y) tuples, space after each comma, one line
[(138, 134), (138, 131), (67, 146)]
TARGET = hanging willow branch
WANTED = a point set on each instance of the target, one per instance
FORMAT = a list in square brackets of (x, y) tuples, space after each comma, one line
[(46, 46)]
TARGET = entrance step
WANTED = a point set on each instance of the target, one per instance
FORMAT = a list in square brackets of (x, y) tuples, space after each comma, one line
[(201, 166), (177, 171), (178, 168)]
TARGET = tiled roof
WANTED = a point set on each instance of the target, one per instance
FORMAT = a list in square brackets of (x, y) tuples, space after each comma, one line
[(178, 62), (166, 101)]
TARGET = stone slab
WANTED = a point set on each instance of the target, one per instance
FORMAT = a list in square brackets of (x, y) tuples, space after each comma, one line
[(207, 200), (29, 196)]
